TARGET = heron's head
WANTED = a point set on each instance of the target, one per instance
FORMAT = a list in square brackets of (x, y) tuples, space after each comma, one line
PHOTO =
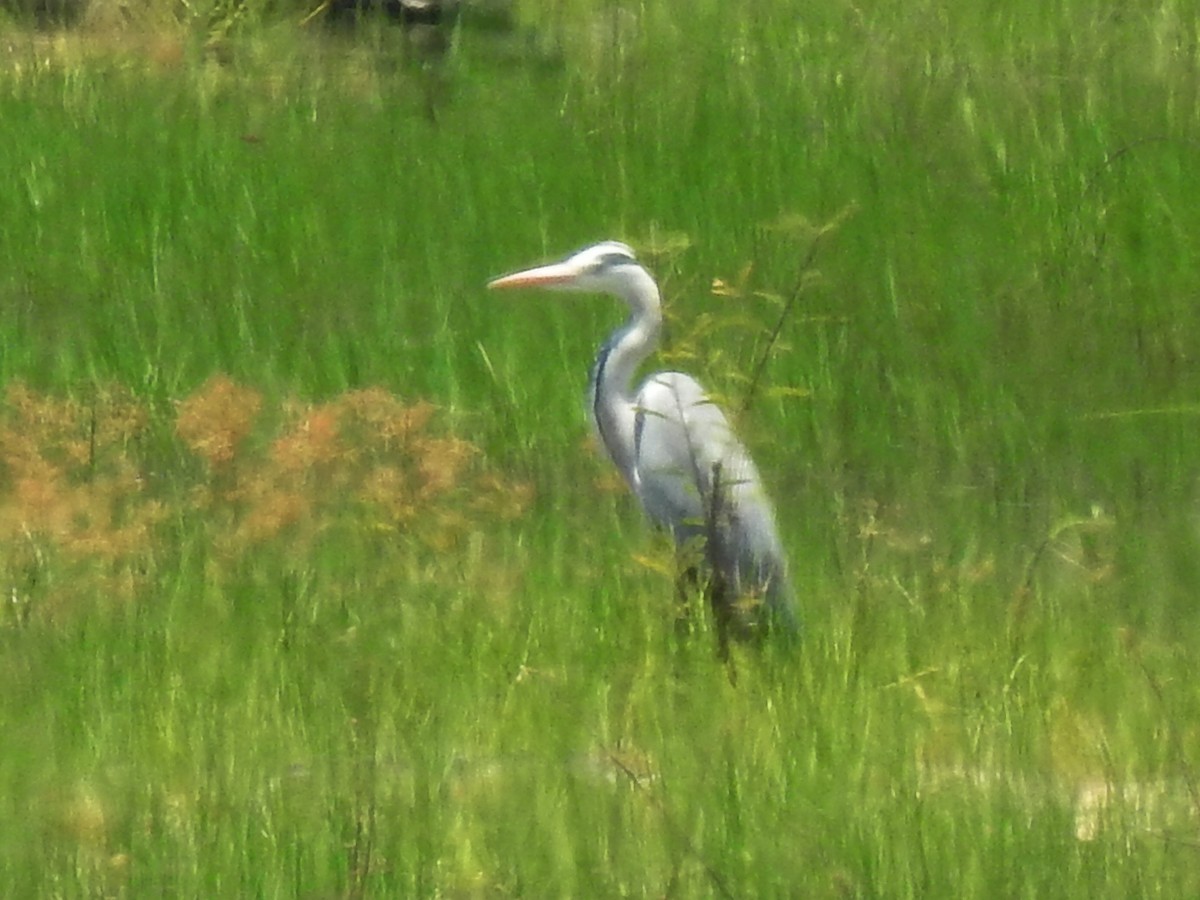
[(605, 268)]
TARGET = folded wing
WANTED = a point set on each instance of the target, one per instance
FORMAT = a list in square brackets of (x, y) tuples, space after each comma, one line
[(695, 478)]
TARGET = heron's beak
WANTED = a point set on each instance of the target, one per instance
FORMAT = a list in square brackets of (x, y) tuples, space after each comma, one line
[(556, 274)]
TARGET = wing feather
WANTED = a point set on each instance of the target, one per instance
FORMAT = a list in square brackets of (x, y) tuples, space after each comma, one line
[(694, 477)]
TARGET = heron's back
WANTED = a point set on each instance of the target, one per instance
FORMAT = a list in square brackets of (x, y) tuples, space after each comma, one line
[(694, 477)]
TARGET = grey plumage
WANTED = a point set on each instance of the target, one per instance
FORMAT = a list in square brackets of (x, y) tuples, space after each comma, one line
[(675, 448)]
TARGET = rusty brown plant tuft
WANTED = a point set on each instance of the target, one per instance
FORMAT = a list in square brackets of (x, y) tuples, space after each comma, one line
[(80, 520)]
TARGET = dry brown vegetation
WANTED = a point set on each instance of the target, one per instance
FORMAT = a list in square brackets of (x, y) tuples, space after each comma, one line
[(83, 502)]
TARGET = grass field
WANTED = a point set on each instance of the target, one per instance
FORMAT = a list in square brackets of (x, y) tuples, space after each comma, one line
[(312, 585)]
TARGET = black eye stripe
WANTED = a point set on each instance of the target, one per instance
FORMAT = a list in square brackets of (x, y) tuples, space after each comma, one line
[(610, 259)]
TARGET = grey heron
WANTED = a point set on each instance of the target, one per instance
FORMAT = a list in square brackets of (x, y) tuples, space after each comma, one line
[(677, 451)]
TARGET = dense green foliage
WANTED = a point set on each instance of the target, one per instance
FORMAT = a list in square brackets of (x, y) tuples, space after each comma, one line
[(979, 423)]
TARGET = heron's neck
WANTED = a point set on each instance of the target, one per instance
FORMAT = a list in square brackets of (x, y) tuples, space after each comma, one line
[(612, 406)]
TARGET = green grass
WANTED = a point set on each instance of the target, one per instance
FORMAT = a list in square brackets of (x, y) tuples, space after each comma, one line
[(979, 426)]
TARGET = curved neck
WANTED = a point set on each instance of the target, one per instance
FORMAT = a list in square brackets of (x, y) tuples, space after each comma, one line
[(610, 395)]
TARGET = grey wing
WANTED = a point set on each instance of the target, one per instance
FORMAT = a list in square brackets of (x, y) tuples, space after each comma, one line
[(694, 477)]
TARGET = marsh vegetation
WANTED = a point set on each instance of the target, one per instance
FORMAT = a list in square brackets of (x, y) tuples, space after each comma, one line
[(313, 587)]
